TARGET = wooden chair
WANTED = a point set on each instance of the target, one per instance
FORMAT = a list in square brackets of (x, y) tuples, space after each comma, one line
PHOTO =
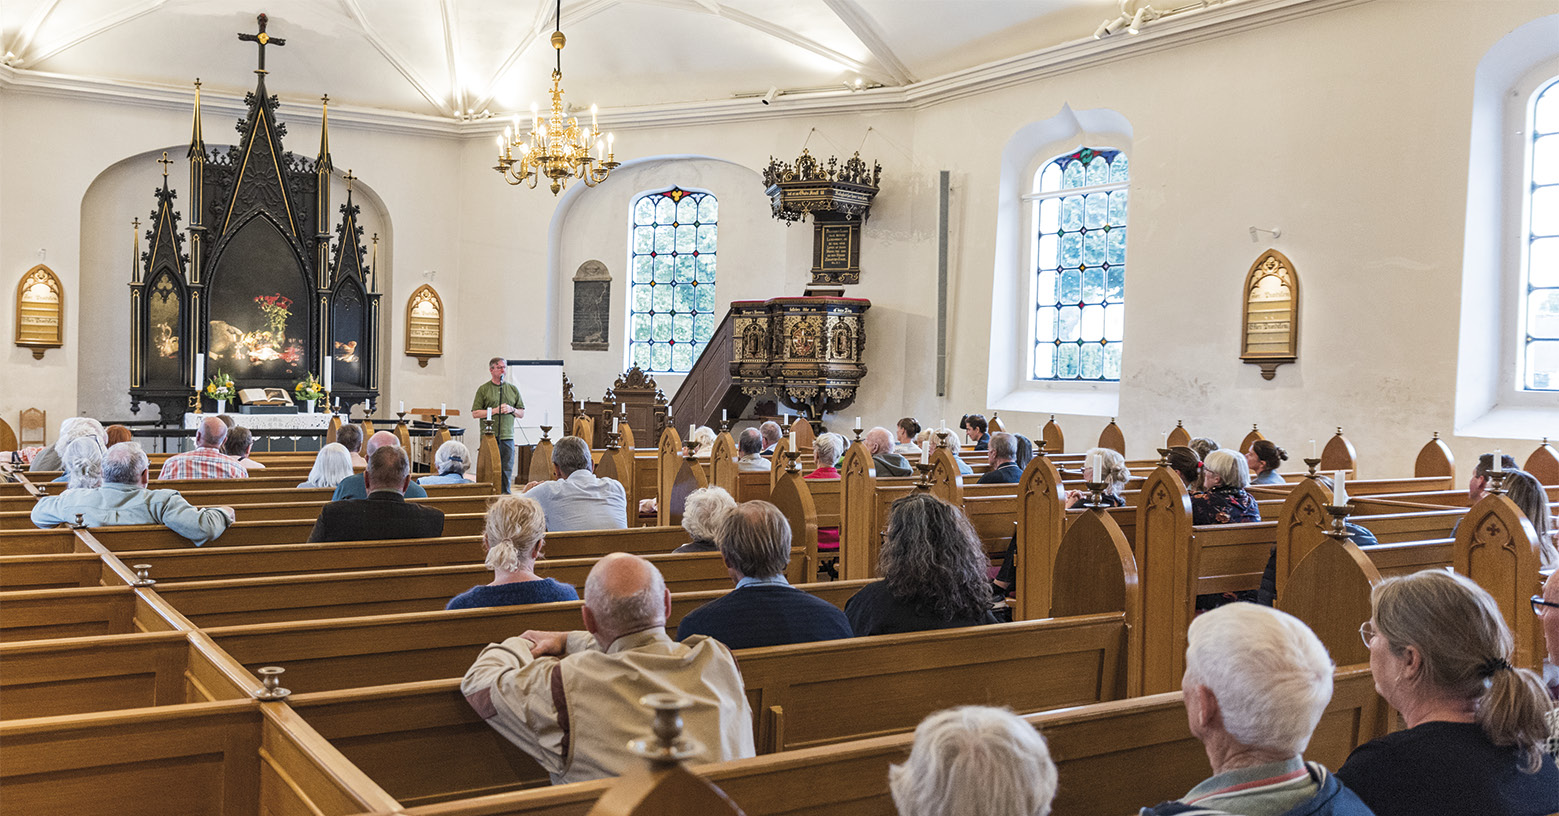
[(34, 428)]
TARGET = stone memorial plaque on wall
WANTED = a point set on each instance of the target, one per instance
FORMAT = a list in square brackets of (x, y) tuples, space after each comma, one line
[(592, 307)]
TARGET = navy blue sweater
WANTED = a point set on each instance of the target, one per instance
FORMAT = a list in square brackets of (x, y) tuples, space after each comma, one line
[(766, 615)]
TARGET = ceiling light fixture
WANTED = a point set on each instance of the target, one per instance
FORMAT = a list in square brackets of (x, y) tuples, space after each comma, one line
[(558, 148)]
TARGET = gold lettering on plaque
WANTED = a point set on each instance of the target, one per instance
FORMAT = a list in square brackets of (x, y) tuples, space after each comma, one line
[(40, 311), (424, 325), (1271, 314)]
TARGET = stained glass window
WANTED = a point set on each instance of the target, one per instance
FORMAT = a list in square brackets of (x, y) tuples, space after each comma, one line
[(1540, 274), (671, 295), (1078, 209)]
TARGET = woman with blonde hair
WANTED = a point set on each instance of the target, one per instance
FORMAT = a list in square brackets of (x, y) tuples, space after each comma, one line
[(1440, 653), (1112, 472), (515, 531)]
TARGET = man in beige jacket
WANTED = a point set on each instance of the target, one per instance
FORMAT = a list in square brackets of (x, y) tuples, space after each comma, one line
[(571, 699)]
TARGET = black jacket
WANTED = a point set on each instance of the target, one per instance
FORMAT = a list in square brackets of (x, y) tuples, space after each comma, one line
[(384, 514)]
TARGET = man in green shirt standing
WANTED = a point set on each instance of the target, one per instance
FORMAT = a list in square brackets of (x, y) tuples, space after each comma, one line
[(500, 401)]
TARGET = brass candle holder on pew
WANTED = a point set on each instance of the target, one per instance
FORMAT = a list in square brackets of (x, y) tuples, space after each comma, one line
[(1312, 462), (792, 461), (1497, 481), (544, 430), (857, 434), (1339, 514), (400, 417), (613, 440), (923, 484), (1095, 499), (1163, 457)]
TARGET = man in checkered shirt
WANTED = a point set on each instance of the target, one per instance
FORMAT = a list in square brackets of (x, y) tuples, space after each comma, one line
[(206, 461)]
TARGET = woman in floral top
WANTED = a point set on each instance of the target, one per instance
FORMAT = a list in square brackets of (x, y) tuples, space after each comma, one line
[(1225, 475)]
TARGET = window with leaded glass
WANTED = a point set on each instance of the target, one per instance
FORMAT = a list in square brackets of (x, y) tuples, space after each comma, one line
[(1540, 268), (1078, 212), (671, 294)]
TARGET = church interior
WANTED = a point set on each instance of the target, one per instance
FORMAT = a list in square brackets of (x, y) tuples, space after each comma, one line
[(1376, 156)]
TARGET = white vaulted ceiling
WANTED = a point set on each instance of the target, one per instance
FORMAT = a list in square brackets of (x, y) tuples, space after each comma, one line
[(446, 57)]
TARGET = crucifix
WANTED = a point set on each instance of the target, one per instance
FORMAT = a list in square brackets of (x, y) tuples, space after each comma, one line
[(263, 39), (165, 161), (349, 178)]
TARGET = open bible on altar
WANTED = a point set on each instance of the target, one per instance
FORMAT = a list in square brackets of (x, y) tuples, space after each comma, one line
[(264, 396)]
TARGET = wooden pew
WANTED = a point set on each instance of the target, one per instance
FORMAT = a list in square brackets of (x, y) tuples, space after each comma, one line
[(382, 592), (213, 759), (86, 612), (1113, 757), (245, 533), (41, 542), (69, 570)]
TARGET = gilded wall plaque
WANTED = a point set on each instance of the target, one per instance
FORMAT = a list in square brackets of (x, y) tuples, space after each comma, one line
[(424, 325), (1270, 334), (40, 311)]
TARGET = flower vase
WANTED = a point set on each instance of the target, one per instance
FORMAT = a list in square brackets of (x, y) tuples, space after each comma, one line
[(221, 406), (310, 404)]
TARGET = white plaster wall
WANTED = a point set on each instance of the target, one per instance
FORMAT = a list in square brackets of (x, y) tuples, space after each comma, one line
[(1349, 129)]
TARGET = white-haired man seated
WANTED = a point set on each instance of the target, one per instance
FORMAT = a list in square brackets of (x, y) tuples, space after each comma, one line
[(571, 699), (1256, 682), (124, 499), (975, 761)]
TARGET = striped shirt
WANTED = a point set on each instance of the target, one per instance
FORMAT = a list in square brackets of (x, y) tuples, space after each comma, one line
[(202, 463)]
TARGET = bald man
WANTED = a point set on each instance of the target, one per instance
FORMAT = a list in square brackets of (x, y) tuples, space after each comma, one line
[(206, 461), (571, 699), (353, 487)]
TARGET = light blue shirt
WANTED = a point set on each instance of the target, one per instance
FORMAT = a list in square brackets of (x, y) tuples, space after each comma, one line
[(583, 501), (116, 504), (353, 487), (776, 580)]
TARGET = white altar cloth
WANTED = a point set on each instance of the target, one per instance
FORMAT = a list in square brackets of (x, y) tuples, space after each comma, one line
[(288, 422)]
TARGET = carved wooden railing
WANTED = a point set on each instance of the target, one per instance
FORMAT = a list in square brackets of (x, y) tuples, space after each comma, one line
[(707, 388)]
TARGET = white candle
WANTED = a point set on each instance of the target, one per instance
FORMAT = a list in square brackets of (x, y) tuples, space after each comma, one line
[(1339, 488), (723, 417), (403, 406), (857, 423), (200, 371), (546, 417), (944, 424), (1499, 461), (444, 411), (614, 424), (690, 429), (1312, 449), (1093, 466), (925, 453), (792, 440)]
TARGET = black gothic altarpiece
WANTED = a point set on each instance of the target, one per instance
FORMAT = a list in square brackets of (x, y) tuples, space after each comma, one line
[(262, 292)]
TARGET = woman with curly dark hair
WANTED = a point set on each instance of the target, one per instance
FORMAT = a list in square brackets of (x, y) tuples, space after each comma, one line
[(933, 570)]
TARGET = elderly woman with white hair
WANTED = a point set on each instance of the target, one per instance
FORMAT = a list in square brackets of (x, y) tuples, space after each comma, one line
[(450, 463), (73, 428), (513, 536), (83, 461), (702, 513), (974, 761), (1256, 683), (1223, 499), (332, 464)]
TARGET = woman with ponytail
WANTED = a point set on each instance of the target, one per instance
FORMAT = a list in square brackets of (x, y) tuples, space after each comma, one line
[(513, 536), (1264, 458), (1440, 653)]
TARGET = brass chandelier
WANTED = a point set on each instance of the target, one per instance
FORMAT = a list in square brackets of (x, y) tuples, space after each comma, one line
[(557, 148)]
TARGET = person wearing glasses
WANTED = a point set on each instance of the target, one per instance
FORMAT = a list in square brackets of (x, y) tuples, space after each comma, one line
[(1440, 654)]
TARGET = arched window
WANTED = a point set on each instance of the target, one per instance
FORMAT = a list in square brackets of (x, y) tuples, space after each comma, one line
[(1077, 211), (671, 296), (1539, 314)]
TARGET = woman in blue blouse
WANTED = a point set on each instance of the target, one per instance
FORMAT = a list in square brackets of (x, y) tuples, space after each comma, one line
[(1264, 458), (1224, 500), (513, 536)]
